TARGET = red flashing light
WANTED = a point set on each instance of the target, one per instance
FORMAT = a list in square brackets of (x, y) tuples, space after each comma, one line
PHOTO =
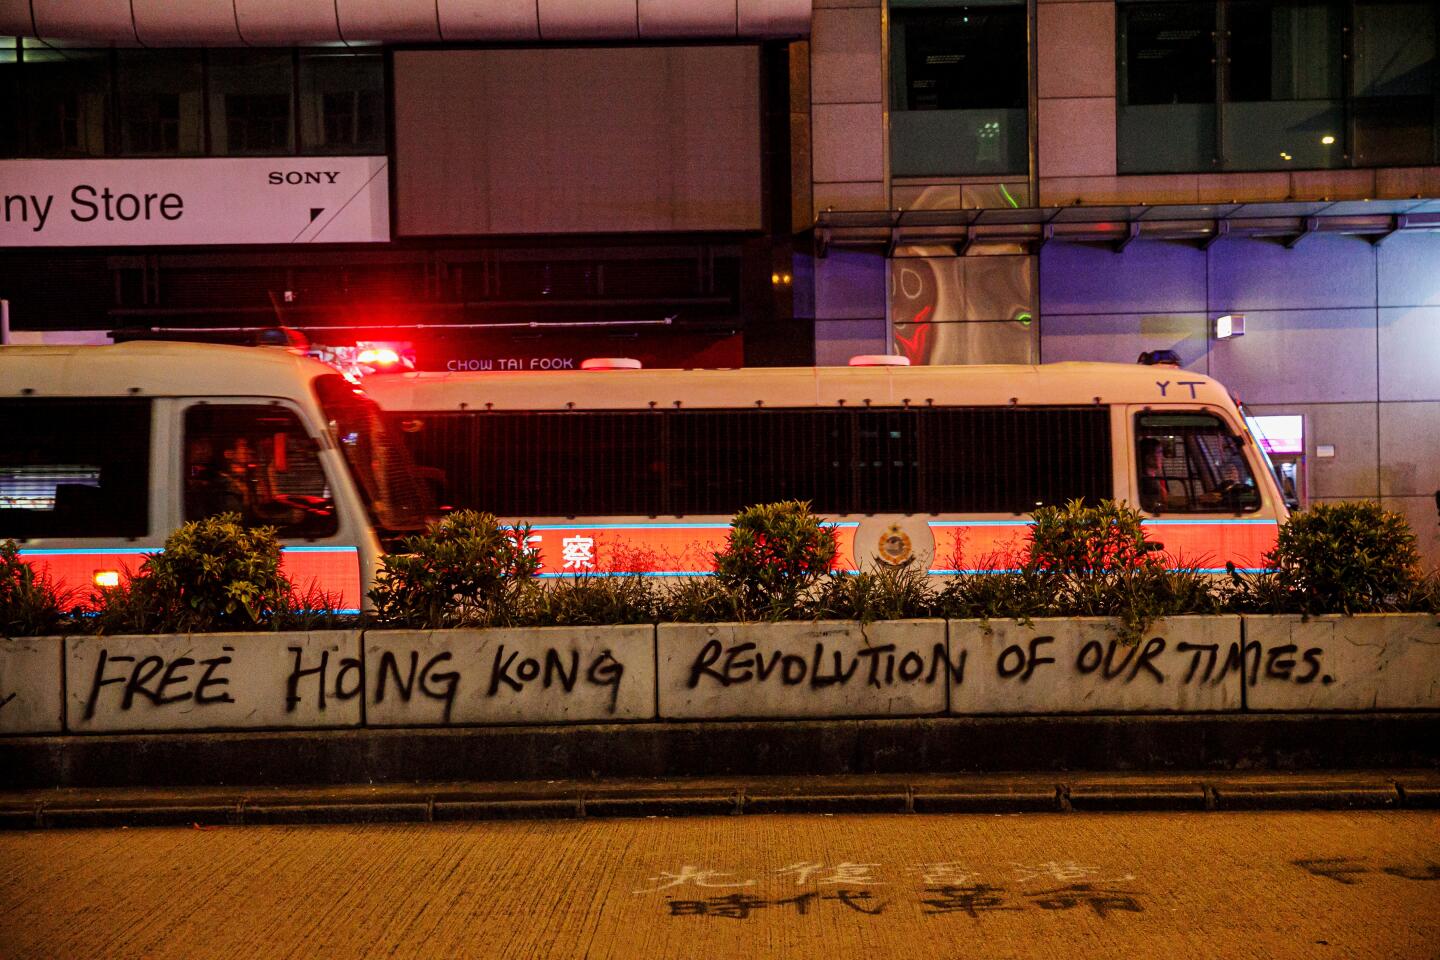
[(378, 357)]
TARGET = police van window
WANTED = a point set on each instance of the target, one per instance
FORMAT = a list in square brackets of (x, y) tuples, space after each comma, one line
[(74, 468), (1191, 463), (256, 460)]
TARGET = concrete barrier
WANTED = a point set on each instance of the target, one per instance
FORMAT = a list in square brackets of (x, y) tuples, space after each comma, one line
[(728, 671), (1364, 662), (31, 694), (718, 671), (527, 675), (1079, 665), (213, 681)]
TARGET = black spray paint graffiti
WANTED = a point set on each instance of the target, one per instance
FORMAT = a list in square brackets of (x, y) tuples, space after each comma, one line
[(348, 681), (514, 672), (1153, 660), (741, 906), (1125, 662), (433, 685), (1344, 869), (151, 677), (883, 667), (329, 677), (978, 898)]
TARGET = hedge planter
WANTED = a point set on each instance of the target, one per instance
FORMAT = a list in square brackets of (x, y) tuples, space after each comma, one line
[(1080, 665), (213, 681), (725, 671), (31, 694), (1375, 661), (520, 675)]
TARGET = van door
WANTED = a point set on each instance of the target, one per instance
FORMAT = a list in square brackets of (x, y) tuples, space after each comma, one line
[(1200, 487)]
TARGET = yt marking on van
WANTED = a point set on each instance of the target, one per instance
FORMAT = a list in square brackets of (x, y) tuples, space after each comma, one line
[(1164, 385)]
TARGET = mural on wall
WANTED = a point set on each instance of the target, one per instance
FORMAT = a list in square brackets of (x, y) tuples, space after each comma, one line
[(972, 309)]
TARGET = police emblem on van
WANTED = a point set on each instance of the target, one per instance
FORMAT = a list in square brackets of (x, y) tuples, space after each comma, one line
[(894, 547)]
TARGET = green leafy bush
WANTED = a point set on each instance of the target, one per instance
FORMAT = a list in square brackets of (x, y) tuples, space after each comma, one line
[(1337, 558), (213, 574), (30, 603), (775, 553), (1077, 538), (885, 593), (589, 600), (1012, 594), (699, 600), (1083, 561), (468, 569)]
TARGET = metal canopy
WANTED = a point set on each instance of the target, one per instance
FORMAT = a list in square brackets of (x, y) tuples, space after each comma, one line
[(1199, 223)]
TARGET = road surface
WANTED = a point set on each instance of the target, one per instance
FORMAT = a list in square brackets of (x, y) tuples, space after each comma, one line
[(1320, 884)]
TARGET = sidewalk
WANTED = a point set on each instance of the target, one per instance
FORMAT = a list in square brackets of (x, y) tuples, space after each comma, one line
[(552, 799)]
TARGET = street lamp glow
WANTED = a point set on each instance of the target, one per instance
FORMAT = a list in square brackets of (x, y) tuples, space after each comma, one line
[(1327, 139)]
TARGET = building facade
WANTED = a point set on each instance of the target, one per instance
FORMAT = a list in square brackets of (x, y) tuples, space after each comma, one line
[(1157, 167), (713, 184)]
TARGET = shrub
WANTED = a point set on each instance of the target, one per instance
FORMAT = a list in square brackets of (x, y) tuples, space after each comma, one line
[(1077, 538), (1011, 594), (774, 554), (213, 574), (886, 593), (1337, 558), (1138, 596), (30, 604), (588, 600), (313, 609), (468, 569), (699, 600)]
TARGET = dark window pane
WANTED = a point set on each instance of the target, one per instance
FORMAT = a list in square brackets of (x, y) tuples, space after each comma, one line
[(1394, 131), (67, 101), (1285, 51), (9, 98), (1167, 53), (257, 461), (959, 81), (1394, 109), (342, 102), (966, 58), (1191, 463), (251, 102), (161, 103), (74, 468), (1394, 49)]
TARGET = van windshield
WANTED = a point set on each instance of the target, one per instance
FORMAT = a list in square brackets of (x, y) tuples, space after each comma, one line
[(398, 502)]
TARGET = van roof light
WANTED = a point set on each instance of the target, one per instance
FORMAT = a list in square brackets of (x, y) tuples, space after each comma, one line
[(610, 363), (1159, 358), (879, 360)]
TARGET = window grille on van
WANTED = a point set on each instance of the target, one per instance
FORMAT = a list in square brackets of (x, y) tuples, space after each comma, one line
[(524, 464)]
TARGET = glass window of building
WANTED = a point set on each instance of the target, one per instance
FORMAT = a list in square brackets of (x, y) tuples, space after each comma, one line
[(9, 97), (1395, 104), (66, 94), (252, 102), (342, 102), (1303, 84), (1166, 111), (161, 103), (959, 89), (1284, 86)]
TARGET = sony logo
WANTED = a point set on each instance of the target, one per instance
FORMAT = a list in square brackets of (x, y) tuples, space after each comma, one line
[(297, 177)]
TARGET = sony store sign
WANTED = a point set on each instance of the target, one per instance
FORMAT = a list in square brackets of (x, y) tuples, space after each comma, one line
[(100, 203)]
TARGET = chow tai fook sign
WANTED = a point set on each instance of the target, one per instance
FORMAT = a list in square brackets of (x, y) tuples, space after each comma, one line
[(102, 203)]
